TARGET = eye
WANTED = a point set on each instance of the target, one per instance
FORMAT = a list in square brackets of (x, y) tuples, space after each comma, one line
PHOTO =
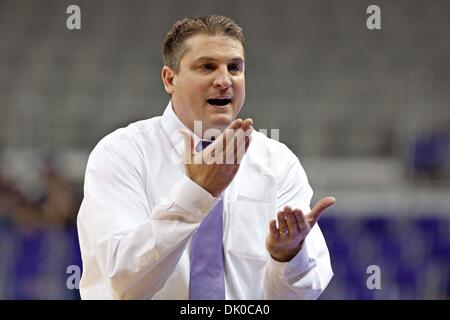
[(207, 66), (234, 67)]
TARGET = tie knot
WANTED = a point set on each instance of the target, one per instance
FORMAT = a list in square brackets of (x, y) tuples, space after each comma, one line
[(203, 144)]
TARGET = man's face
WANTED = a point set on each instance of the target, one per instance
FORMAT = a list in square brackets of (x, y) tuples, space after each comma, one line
[(210, 84)]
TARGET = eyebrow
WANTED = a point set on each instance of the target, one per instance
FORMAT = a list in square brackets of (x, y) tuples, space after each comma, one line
[(206, 58)]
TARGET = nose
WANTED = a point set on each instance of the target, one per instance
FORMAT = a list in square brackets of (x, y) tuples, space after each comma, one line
[(222, 78)]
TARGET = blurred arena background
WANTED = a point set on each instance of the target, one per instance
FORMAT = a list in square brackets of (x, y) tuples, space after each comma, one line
[(367, 112)]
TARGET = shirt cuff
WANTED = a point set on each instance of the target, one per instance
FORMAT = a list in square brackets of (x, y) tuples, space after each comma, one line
[(299, 264), (192, 198)]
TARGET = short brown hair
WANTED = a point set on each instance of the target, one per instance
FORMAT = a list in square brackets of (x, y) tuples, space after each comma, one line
[(187, 27)]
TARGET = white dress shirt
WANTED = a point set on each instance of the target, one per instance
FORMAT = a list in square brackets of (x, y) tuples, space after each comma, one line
[(140, 210)]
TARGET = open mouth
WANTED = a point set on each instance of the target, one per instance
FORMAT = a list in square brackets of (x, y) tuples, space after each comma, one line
[(218, 102)]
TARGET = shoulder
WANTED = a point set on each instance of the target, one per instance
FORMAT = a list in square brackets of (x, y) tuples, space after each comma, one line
[(134, 132), (127, 142)]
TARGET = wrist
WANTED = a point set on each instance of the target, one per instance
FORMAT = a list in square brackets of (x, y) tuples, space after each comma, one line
[(205, 186), (287, 255)]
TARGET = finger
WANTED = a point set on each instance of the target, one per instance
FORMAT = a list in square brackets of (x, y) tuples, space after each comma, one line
[(249, 131), (247, 123), (242, 149), (220, 145), (224, 138), (247, 127), (232, 140), (236, 124), (237, 142), (229, 132), (233, 146), (248, 140), (229, 151), (291, 222), (282, 227), (232, 128), (320, 206), (212, 153), (240, 145), (189, 150), (274, 235), (300, 218)]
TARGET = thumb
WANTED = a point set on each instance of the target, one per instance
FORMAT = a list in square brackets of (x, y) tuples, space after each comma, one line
[(320, 206), (188, 145)]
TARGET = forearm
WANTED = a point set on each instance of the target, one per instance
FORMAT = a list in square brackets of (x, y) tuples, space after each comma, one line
[(137, 264), (137, 257)]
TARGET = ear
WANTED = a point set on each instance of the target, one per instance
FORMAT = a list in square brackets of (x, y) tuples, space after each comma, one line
[(168, 78)]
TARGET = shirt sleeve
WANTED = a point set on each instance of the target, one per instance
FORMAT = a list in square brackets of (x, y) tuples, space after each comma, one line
[(309, 272), (136, 248)]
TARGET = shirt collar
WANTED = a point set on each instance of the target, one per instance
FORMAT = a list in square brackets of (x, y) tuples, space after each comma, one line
[(171, 125)]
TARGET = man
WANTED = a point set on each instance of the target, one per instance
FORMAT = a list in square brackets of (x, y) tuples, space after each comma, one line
[(167, 216)]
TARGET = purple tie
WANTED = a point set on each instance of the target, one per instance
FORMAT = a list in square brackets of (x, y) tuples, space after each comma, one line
[(207, 262)]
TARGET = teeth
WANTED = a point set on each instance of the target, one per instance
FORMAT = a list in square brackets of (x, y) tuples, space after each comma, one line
[(219, 102)]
